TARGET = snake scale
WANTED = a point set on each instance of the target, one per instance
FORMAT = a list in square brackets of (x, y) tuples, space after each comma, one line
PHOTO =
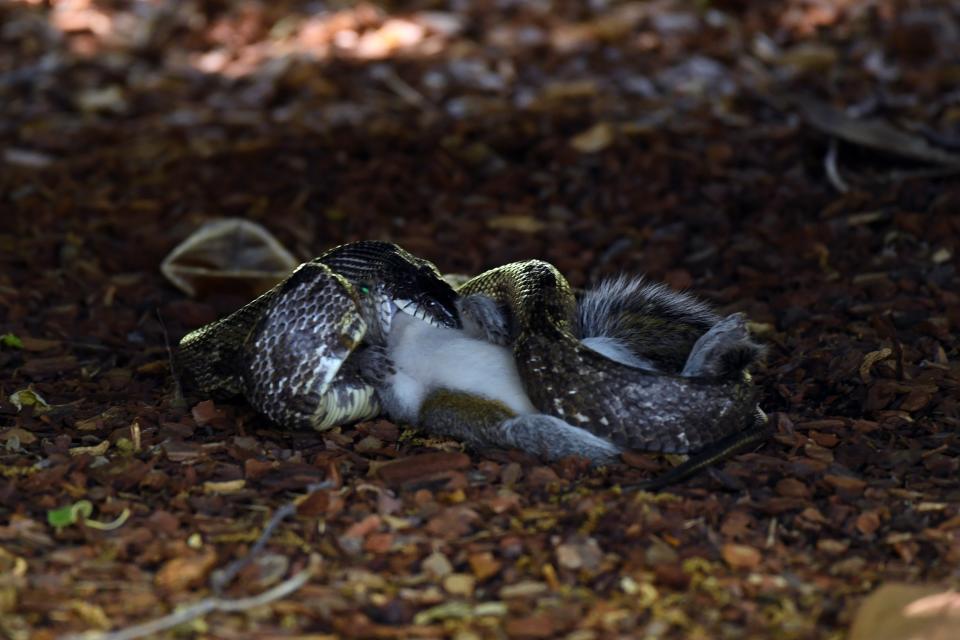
[(304, 353), (310, 352), (632, 407)]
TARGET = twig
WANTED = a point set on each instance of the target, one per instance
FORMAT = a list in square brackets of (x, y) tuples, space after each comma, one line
[(724, 448), (833, 172), (399, 86), (203, 607), (872, 134), (178, 401), (218, 581), (220, 578)]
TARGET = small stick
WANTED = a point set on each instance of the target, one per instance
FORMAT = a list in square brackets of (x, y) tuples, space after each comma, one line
[(220, 578), (178, 401), (833, 172), (218, 581), (203, 607)]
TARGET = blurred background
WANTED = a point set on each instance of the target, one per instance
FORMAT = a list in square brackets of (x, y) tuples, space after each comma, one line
[(601, 135)]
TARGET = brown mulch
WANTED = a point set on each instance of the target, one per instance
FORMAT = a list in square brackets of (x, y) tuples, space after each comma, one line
[(665, 138)]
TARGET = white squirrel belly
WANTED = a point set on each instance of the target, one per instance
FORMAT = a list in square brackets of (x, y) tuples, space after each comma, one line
[(429, 358)]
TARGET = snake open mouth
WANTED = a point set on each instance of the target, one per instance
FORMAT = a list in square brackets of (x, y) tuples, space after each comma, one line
[(390, 307), (384, 308)]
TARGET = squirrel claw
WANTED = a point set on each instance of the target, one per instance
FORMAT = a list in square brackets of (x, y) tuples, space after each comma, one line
[(373, 364)]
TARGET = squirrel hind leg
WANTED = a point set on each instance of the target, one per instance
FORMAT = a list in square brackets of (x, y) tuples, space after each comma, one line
[(723, 351), (551, 438), (483, 319), (481, 423)]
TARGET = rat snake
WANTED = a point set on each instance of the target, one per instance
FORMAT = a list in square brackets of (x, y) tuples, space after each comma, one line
[(303, 353), (630, 406)]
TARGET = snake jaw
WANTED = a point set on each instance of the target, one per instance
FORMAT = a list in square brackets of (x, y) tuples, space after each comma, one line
[(421, 312), (388, 309)]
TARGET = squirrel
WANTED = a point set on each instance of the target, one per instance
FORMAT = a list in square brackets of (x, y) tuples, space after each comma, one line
[(464, 384)]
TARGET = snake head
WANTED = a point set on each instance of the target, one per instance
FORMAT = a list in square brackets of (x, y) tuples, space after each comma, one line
[(421, 293), (389, 280)]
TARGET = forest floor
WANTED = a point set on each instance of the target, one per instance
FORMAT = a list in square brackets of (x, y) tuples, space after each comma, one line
[(719, 147)]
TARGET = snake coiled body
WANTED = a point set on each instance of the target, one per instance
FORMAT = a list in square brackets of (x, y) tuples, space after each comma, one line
[(312, 352), (629, 406), (304, 353)]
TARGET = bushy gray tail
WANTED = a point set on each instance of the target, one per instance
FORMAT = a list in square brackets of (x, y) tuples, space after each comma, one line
[(650, 326)]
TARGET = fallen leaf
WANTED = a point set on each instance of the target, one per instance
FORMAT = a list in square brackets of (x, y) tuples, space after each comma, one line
[(484, 565), (205, 412), (595, 139), (522, 224), (96, 450), (459, 584), (741, 556), (404, 470), (185, 571), (907, 612), (226, 486)]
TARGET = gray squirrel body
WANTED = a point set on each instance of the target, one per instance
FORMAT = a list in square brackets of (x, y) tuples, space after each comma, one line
[(463, 383)]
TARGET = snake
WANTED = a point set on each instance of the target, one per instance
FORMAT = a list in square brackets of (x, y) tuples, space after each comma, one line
[(633, 407), (303, 352)]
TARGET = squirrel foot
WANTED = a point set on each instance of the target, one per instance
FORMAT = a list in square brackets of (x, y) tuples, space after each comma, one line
[(483, 319), (551, 439), (372, 364), (723, 351)]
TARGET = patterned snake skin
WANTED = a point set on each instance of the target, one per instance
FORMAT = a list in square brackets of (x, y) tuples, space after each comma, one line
[(302, 352), (631, 407), (287, 351)]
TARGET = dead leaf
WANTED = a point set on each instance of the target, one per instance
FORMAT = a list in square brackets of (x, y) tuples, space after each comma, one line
[(873, 134), (226, 486), (231, 253), (185, 571), (522, 224), (484, 565), (96, 450), (411, 468), (871, 359), (205, 412), (907, 612), (595, 139), (459, 584), (741, 556)]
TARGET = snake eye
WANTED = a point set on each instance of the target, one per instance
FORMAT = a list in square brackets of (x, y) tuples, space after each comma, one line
[(364, 289)]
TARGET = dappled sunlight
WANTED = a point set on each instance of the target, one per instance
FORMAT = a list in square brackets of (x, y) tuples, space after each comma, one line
[(363, 33), (243, 37), (462, 59)]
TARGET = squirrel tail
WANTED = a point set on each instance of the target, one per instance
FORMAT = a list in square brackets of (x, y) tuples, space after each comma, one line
[(647, 325), (650, 326)]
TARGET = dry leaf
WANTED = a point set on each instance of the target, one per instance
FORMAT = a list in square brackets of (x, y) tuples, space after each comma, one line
[(233, 253), (740, 556), (227, 486), (185, 571), (596, 138), (908, 612), (522, 224), (871, 359)]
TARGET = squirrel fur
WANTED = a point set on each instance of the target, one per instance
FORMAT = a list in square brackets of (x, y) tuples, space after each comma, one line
[(464, 384)]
